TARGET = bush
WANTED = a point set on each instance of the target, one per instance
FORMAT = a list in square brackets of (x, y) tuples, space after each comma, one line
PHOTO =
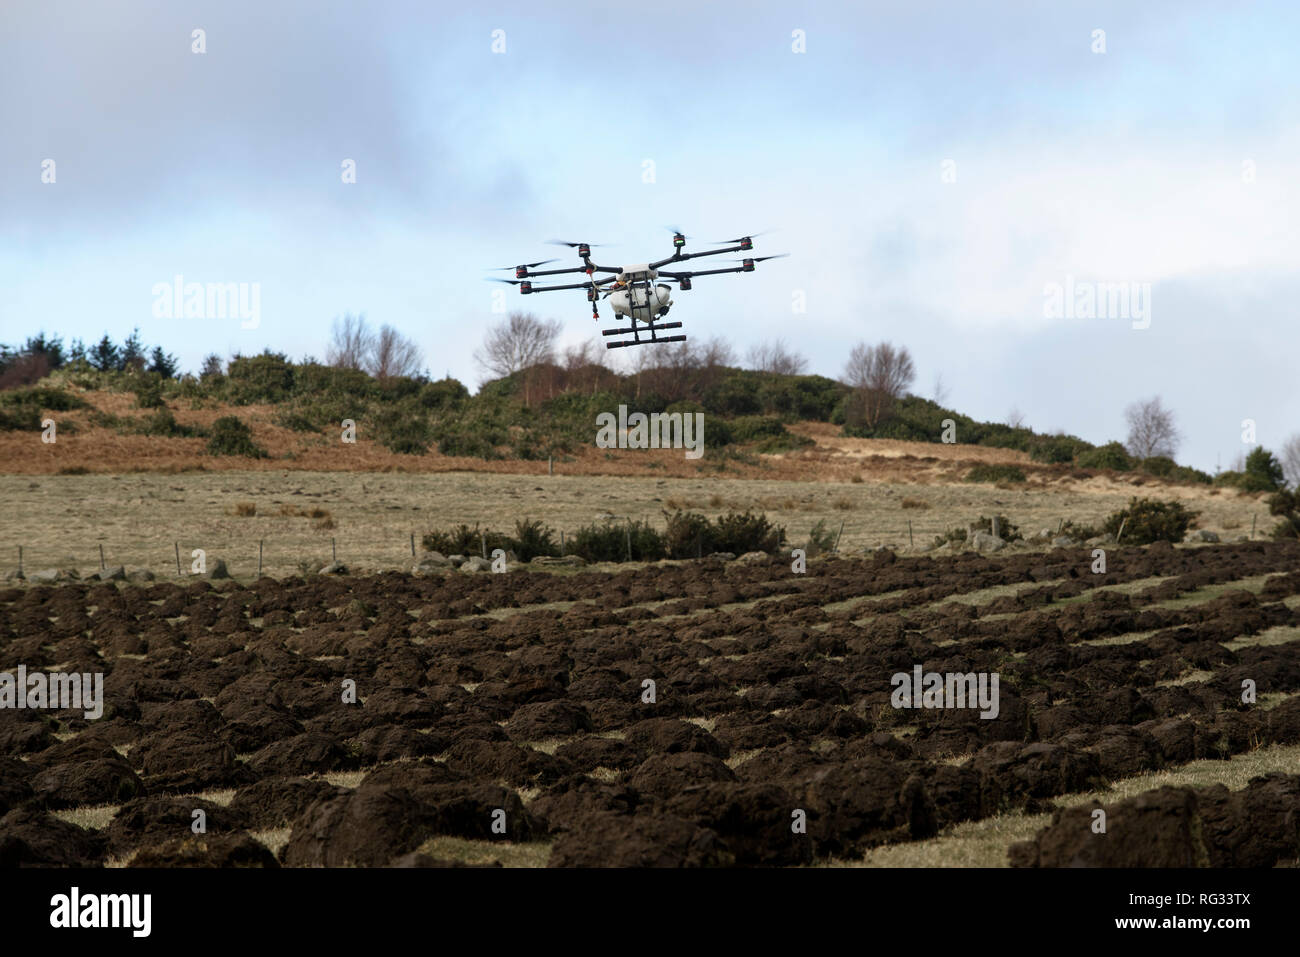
[(689, 535), (1286, 505), (268, 377), (1161, 466), (1263, 472), (463, 540), (467, 444), (296, 421), (996, 473), (746, 532), (403, 435), (1229, 479), (230, 436), (1006, 531), (148, 393), (609, 540), (443, 394), (19, 418), (820, 539), (532, 539), (162, 423), (1057, 449), (1149, 520), (38, 398), (1112, 456)]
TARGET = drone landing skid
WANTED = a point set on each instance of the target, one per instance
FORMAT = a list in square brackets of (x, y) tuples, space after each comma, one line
[(636, 331)]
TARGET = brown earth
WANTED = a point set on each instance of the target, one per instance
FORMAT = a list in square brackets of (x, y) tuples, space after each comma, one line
[(511, 711)]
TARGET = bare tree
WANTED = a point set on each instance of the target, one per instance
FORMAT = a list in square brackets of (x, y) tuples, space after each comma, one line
[(940, 394), (392, 355), (521, 341), (351, 342), (1016, 418), (1290, 457), (880, 375), (717, 353), (776, 356), (1151, 429)]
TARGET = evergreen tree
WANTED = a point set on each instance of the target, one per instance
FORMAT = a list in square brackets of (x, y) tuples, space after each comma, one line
[(162, 363), (132, 357), (105, 356)]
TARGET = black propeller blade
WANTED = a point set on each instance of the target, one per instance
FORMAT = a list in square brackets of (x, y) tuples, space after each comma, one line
[(564, 242), (529, 265), (513, 282), (759, 259), (739, 239)]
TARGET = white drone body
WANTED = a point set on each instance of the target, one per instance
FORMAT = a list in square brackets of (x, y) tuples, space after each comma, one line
[(643, 302)]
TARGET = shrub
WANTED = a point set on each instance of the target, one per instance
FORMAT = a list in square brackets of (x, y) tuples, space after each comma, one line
[(1112, 455), (37, 398), (1161, 466), (608, 541), (268, 377), (1080, 532), (1263, 472), (1006, 531), (820, 539), (746, 532), (1286, 505), (996, 473), (1149, 520), (162, 423), (405, 436), (689, 535), (16, 418), (230, 436), (296, 421), (148, 393), (1057, 449), (443, 394), (532, 539), (463, 540)]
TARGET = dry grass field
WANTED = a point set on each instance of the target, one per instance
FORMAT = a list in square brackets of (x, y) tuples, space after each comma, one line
[(139, 518)]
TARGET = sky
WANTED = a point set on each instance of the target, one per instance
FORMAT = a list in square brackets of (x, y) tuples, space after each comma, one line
[(934, 170)]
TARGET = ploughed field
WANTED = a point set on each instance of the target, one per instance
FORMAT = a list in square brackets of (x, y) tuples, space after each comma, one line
[(504, 718)]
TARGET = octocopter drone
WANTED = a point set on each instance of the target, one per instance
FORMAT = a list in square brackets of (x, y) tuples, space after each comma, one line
[(641, 292)]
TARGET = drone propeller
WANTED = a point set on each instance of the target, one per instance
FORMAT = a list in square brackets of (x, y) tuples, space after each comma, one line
[(565, 242), (513, 282), (759, 259), (739, 239), (528, 265)]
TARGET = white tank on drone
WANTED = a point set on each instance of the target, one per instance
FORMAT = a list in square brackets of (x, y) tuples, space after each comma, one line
[(660, 299)]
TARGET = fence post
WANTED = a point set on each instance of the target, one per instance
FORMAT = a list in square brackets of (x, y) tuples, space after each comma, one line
[(995, 526), (482, 537), (259, 558), (836, 548), (178, 559), (627, 531), (412, 543), (910, 542), (1252, 527), (550, 465), (101, 558), (1120, 533), (334, 551), (561, 543)]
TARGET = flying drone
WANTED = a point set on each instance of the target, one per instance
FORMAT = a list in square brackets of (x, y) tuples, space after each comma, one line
[(640, 292)]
